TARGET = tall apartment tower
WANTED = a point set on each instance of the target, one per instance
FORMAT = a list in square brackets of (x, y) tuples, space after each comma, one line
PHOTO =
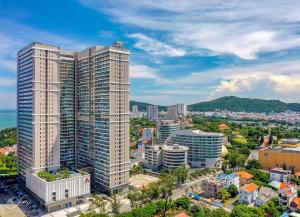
[(152, 112), (103, 115), (73, 111), (181, 109), (172, 112), (38, 106)]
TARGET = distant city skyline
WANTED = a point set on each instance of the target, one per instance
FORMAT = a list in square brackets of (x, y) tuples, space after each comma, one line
[(186, 51)]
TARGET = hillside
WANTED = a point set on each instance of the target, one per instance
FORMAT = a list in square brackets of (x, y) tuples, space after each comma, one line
[(232, 103), (237, 104), (142, 106)]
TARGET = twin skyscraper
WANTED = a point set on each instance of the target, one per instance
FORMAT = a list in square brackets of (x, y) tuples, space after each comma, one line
[(73, 112)]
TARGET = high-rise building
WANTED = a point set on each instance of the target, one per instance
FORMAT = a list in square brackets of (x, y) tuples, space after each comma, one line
[(152, 112), (172, 112), (73, 111), (103, 115), (181, 109), (165, 129), (135, 109)]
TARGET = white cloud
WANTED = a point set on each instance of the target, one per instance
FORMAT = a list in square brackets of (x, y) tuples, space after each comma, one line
[(142, 71), (14, 36), (153, 46), (7, 81), (243, 28)]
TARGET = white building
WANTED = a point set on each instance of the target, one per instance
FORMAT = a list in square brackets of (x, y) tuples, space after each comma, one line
[(204, 147), (229, 179), (280, 175), (248, 194), (181, 109), (152, 112), (153, 157), (174, 156), (135, 109), (62, 193)]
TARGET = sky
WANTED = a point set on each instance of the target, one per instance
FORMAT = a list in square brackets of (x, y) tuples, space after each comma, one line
[(181, 51)]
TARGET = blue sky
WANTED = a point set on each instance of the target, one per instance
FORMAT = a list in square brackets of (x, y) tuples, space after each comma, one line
[(182, 51)]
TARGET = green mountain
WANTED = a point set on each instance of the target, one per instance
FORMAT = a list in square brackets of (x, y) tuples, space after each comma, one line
[(142, 106), (232, 103), (236, 104)]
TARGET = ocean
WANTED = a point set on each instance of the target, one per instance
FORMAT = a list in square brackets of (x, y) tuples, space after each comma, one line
[(8, 118)]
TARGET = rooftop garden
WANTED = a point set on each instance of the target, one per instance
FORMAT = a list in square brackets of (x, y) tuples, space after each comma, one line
[(49, 177)]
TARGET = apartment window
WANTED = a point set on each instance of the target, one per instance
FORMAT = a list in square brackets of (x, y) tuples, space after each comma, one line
[(54, 196), (67, 193)]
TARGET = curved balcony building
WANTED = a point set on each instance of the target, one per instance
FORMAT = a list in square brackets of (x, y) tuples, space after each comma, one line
[(205, 148)]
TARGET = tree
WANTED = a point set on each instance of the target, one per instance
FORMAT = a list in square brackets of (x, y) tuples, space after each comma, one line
[(153, 191), (181, 174), (115, 204), (233, 190), (219, 213), (253, 164), (298, 193), (270, 210), (100, 203), (223, 194), (166, 187), (134, 197), (183, 202), (236, 160), (246, 211)]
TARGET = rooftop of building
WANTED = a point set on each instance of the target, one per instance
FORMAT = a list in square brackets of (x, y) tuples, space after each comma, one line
[(183, 214), (296, 202), (244, 175), (280, 170), (250, 187), (175, 148), (197, 133), (59, 174)]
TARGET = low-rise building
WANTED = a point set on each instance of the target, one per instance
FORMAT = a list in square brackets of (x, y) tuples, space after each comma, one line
[(248, 193), (280, 157), (211, 187), (148, 134), (264, 195), (295, 204), (245, 178), (153, 157), (286, 193), (229, 179), (174, 156), (280, 175), (59, 193)]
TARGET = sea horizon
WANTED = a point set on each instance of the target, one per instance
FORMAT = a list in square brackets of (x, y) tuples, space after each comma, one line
[(8, 118)]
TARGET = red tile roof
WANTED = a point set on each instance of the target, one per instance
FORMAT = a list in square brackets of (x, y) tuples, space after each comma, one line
[(244, 175), (296, 201), (250, 187)]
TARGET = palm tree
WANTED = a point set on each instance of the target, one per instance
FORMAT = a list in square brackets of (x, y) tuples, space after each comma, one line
[(100, 203), (115, 205)]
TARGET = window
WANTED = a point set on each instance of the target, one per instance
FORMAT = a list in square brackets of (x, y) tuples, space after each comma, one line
[(66, 193), (54, 196)]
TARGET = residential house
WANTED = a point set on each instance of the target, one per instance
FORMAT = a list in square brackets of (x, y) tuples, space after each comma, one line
[(245, 178), (286, 193), (229, 179), (248, 193), (280, 175), (264, 195), (295, 204), (211, 187)]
